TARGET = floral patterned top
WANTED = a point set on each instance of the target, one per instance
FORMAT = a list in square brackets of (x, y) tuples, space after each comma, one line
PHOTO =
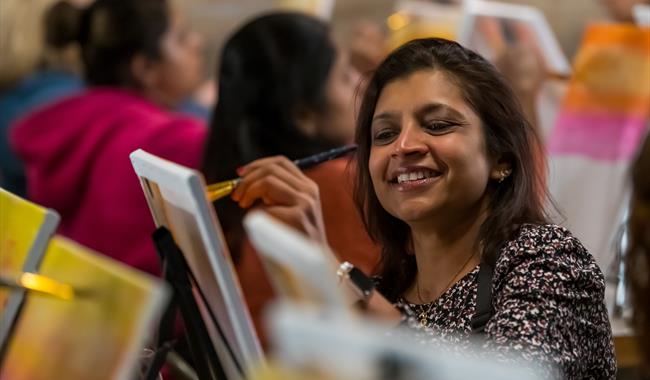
[(548, 302)]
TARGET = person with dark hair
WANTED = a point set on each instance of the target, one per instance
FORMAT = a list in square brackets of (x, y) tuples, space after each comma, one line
[(54, 76), (450, 182), (637, 264), (140, 60), (285, 89)]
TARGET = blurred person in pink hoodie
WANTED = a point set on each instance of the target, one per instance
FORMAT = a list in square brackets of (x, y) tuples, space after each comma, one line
[(140, 61)]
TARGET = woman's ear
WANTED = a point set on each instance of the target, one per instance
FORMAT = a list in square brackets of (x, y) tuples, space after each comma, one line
[(501, 169), (144, 72), (306, 122)]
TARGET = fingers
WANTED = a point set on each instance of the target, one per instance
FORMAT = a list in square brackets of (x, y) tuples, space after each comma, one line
[(493, 33), (295, 217), (525, 35), (272, 179), (274, 190), (285, 192), (268, 161)]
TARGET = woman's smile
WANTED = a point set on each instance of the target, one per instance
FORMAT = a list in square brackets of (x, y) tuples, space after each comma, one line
[(428, 157), (413, 178)]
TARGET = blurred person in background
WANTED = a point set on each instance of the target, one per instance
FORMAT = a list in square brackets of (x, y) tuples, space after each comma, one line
[(523, 67), (285, 88), (638, 254), (40, 63), (602, 120), (524, 70), (140, 60), (368, 46)]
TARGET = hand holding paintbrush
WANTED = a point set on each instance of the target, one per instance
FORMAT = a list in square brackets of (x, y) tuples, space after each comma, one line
[(219, 190), (280, 188)]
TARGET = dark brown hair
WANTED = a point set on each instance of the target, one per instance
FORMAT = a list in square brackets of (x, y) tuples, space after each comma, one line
[(112, 32), (519, 199), (638, 253), (273, 67)]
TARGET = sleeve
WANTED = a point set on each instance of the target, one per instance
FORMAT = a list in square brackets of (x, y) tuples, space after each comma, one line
[(345, 231), (549, 306)]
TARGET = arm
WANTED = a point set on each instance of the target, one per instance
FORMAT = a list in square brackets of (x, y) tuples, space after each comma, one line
[(277, 186), (524, 70), (549, 307)]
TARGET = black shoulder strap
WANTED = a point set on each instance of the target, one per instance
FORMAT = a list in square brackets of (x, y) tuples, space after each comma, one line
[(484, 310)]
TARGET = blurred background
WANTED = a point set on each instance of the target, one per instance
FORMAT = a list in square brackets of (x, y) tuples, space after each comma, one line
[(584, 84), (217, 18)]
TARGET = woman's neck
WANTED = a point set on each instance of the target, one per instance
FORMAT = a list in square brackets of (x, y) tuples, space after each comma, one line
[(158, 98), (445, 251)]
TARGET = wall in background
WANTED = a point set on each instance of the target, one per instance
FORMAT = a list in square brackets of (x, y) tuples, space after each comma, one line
[(216, 19)]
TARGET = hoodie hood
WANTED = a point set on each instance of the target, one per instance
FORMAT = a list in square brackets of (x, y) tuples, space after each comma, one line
[(60, 144), (76, 158)]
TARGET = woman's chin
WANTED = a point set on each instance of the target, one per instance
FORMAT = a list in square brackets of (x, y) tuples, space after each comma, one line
[(414, 214)]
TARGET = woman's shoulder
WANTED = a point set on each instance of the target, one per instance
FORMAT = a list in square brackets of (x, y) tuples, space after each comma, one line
[(543, 229), (549, 298), (546, 246), (544, 239)]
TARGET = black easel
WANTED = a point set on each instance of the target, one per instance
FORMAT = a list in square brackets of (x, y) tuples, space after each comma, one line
[(178, 275)]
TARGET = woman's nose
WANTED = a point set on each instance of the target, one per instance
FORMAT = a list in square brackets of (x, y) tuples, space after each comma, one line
[(409, 142)]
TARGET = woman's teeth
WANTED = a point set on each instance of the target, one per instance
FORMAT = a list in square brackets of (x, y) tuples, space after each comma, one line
[(414, 176)]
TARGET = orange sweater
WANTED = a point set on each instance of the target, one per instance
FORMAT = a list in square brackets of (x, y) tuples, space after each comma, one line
[(345, 234)]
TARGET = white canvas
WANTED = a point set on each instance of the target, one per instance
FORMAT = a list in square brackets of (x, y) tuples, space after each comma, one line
[(524, 16), (177, 200), (298, 267)]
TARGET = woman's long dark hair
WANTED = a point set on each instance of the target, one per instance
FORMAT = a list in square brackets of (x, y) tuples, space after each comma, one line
[(271, 70), (517, 200), (638, 255)]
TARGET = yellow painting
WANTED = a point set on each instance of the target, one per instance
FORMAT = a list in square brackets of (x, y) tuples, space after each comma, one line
[(98, 333), (24, 227)]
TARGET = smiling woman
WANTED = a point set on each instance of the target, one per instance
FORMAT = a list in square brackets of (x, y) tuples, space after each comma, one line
[(436, 106), (419, 114), (450, 182), (472, 209)]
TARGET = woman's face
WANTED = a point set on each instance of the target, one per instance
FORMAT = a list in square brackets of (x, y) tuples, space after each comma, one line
[(428, 156), (336, 122), (180, 68)]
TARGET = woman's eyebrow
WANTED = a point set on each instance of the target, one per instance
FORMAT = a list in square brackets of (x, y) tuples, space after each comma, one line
[(388, 115), (438, 109)]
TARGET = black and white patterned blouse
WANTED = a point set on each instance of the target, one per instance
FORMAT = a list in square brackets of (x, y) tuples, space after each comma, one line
[(548, 300)]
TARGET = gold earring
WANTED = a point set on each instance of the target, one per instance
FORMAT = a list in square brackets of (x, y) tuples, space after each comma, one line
[(504, 174)]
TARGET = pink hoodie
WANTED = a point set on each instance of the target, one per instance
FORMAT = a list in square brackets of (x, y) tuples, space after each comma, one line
[(76, 157)]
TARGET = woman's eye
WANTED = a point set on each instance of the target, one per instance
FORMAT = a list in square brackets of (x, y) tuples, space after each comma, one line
[(438, 126), (383, 136)]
